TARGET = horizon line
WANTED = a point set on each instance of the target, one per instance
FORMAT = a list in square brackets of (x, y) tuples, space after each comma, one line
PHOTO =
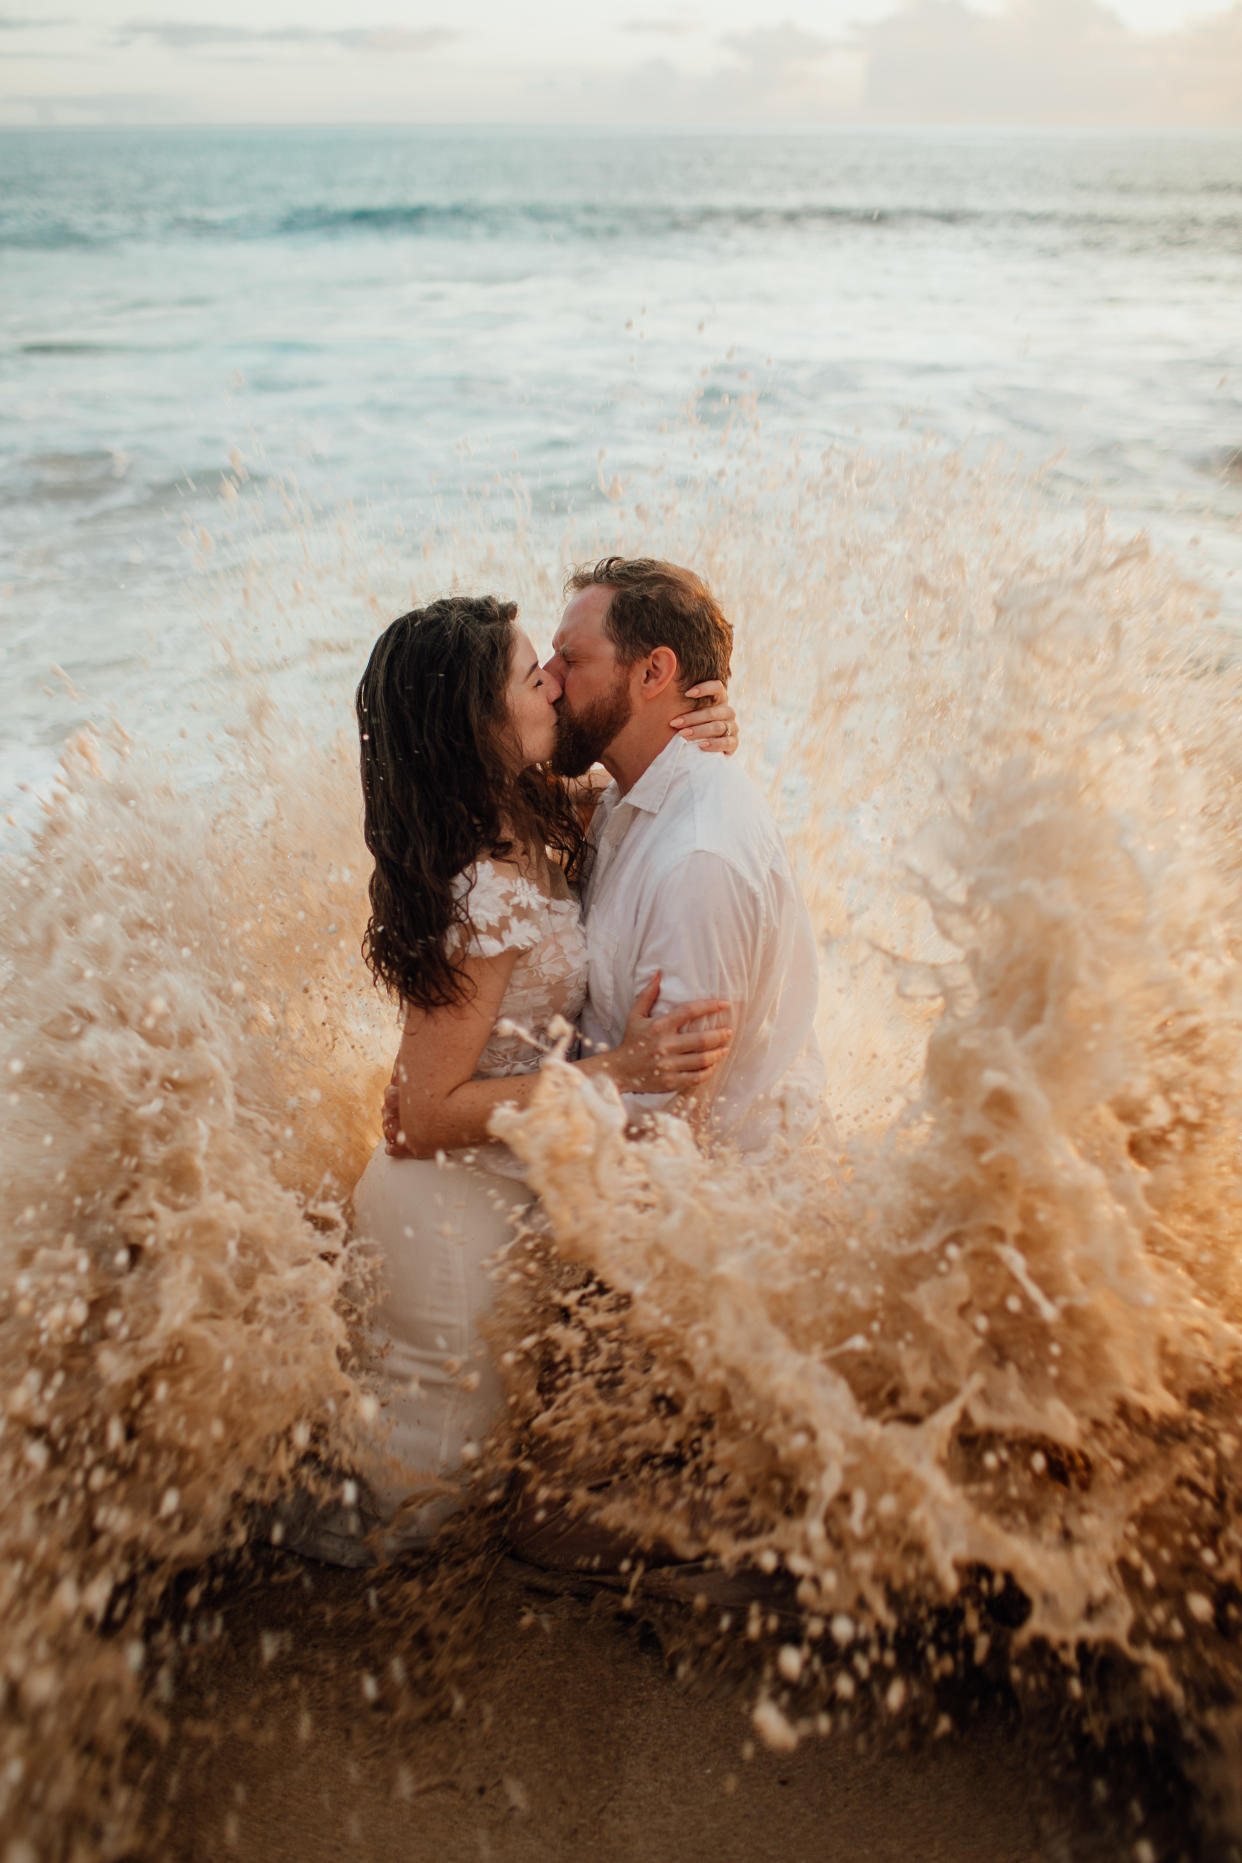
[(635, 128)]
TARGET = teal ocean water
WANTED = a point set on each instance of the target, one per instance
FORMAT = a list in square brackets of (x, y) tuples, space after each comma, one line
[(393, 317)]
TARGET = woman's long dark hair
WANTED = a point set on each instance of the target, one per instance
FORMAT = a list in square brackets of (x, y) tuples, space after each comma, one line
[(437, 790)]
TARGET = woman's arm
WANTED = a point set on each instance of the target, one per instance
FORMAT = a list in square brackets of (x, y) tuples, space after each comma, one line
[(712, 726), (442, 1106)]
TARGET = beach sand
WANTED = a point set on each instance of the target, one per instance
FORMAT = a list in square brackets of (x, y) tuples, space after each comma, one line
[(572, 1736)]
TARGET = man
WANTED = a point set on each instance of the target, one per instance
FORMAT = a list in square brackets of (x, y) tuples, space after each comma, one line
[(690, 876)]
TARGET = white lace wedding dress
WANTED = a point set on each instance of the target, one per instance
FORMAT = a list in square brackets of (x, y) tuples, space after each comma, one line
[(436, 1225)]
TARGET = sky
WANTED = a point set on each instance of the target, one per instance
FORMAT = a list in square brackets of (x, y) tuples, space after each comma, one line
[(616, 62)]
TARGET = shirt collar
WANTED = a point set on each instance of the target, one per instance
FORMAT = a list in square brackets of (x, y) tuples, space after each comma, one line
[(656, 780)]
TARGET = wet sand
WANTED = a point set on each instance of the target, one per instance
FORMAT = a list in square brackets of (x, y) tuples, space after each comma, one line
[(572, 1737)]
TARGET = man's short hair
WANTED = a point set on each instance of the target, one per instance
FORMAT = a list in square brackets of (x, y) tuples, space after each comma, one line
[(658, 604)]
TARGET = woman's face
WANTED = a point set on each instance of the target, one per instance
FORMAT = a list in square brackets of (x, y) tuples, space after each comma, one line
[(529, 700)]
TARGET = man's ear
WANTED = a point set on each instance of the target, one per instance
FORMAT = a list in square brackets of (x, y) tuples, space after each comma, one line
[(659, 672)]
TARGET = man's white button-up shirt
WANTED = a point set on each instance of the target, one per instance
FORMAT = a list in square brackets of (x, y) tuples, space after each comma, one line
[(690, 877)]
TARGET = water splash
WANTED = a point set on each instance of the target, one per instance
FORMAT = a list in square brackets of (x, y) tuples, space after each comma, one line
[(1003, 1329), (998, 1328), (184, 1110)]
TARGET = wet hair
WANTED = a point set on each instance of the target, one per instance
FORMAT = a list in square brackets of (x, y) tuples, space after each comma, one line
[(438, 792), (657, 604)]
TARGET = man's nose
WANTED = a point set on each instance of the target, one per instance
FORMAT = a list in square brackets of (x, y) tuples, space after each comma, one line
[(554, 669)]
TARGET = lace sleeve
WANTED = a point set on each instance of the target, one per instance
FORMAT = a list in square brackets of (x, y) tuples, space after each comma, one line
[(506, 910)]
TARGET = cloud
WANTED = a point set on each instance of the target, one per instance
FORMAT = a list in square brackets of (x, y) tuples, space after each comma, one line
[(773, 54), (1047, 61), (1071, 62), (30, 25), (773, 51), (72, 108), (787, 74), (206, 35), (769, 74), (661, 28)]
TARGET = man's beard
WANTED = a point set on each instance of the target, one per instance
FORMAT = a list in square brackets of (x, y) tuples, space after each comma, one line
[(583, 737)]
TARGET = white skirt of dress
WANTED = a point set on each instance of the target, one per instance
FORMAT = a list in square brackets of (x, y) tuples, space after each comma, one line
[(435, 1228)]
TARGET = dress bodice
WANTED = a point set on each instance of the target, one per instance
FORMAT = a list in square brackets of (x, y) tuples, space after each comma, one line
[(510, 912)]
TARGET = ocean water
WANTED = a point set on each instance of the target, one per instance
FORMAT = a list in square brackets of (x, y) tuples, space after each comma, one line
[(395, 319), (981, 1357)]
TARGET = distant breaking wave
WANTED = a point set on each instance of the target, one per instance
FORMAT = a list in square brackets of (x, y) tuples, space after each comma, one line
[(578, 220)]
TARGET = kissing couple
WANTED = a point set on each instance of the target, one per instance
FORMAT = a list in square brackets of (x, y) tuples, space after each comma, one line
[(659, 916)]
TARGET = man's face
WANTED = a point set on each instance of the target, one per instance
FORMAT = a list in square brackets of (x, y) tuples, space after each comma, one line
[(595, 702)]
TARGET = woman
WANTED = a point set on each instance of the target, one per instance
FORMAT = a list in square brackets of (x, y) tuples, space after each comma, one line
[(475, 929)]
